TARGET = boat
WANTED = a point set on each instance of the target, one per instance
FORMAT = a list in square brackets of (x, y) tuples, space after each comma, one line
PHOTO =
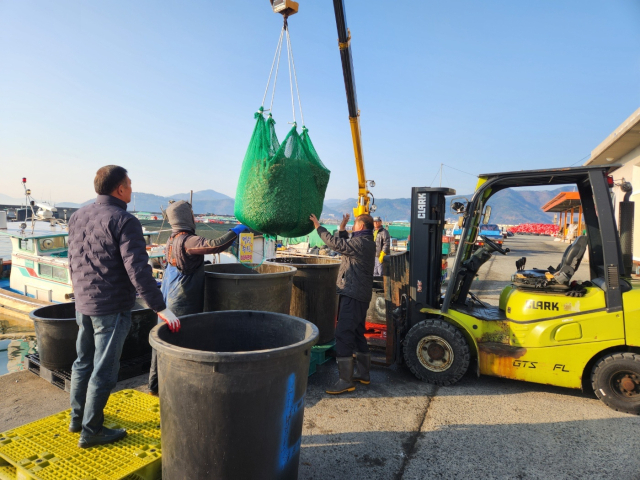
[(38, 272)]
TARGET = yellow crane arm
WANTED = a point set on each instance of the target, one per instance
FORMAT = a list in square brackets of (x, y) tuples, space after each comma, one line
[(363, 192), (344, 43)]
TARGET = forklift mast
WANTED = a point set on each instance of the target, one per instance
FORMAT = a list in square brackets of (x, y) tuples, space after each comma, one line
[(428, 217)]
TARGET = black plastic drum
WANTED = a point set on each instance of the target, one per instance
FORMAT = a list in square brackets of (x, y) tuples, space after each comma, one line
[(232, 390)]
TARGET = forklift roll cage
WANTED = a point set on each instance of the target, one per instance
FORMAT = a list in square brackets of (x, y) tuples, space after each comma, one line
[(413, 279), (605, 255)]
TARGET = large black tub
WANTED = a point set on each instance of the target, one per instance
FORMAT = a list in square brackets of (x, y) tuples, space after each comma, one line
[(314, 295), (234, 286), (232, 389), (57, 330)]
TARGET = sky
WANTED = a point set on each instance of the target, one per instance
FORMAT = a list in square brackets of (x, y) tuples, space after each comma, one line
[(168, 89)]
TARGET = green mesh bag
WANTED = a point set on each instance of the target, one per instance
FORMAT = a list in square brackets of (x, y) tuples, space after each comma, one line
[(280, 185)]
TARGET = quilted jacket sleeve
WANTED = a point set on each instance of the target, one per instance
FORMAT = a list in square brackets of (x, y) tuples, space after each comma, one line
[(338, 244), (136, 261)]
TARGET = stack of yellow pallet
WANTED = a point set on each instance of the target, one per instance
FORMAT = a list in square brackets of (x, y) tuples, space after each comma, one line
[(45, 450)]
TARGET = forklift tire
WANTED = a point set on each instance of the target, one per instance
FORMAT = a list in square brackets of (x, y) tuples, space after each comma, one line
[(436, 351), (616, 381)]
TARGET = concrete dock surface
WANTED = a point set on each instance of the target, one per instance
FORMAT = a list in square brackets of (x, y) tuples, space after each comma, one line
[(490, 428), (401, 428)]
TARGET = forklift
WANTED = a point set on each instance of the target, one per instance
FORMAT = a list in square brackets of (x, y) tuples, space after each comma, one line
[(546, 328)]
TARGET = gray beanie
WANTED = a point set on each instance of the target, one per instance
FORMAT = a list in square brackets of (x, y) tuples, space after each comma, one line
[(180, 216)]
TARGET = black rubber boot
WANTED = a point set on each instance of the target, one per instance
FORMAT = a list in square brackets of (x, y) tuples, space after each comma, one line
[(363, 365), (106, 435), (345, 382), (75, 426)]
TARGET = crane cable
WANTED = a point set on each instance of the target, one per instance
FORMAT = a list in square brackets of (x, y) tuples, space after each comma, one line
[(277, 65), (293, 63), (292, 78), (293, 108)]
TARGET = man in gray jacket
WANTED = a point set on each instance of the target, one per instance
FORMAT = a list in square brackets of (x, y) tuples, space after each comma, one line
[(383, 244), (354, 286), (109, 264)]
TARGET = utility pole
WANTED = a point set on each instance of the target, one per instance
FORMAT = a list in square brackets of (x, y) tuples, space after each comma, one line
[(441, 174)]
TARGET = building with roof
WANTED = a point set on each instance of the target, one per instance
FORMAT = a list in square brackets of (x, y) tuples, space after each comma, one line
[(569, 208), (622, 147)]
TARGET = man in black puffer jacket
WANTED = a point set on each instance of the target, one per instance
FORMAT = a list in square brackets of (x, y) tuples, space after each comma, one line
[(354, 286), (109, 264)]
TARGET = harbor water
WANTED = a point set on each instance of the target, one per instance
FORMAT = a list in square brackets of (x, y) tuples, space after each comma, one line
[(17, 340), (17, 337)]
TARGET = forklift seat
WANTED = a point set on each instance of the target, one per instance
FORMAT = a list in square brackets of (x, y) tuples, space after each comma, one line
[(558, 278)]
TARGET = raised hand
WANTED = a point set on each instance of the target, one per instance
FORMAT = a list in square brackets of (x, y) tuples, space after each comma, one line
[(345, 220), (315, 221)]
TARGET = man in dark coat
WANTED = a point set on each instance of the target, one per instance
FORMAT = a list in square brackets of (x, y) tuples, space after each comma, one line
[(354, 286), (109, 263), (383, 244)]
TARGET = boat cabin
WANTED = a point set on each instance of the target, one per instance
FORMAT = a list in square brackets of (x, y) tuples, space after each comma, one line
[(39, 266)]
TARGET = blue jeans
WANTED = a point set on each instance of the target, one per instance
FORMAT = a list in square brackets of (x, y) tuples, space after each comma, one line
[(95, 371)]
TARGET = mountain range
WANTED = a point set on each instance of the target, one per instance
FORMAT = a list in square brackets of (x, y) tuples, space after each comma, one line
[(511, 206), (508, 207), (204, 201)]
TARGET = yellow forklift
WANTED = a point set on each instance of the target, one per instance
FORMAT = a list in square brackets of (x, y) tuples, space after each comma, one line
[(546, 328)]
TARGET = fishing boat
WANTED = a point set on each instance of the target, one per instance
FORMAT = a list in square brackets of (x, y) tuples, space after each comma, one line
[(38, 272)]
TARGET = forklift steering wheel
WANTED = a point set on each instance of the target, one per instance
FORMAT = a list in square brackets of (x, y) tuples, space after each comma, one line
[(494, 246)]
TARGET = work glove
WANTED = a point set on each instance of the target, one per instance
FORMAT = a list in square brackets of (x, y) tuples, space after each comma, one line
[(238, 229), (577, 290), (170, 319), (576, 293), (381, 257)]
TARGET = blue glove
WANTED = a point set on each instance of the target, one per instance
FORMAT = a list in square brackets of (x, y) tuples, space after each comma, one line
[(238, 229)]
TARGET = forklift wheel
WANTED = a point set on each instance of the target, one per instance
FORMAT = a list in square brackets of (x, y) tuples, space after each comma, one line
[(436, 352), (616, 381)]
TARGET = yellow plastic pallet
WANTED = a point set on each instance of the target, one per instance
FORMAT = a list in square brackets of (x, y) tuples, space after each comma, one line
[(7, 472), (45, 450)]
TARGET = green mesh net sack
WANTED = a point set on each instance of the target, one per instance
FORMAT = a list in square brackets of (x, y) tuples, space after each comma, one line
[(280, 185)]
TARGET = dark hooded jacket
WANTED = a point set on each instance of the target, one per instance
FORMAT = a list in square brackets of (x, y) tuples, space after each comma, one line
[(108, 259), (355, 278)]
